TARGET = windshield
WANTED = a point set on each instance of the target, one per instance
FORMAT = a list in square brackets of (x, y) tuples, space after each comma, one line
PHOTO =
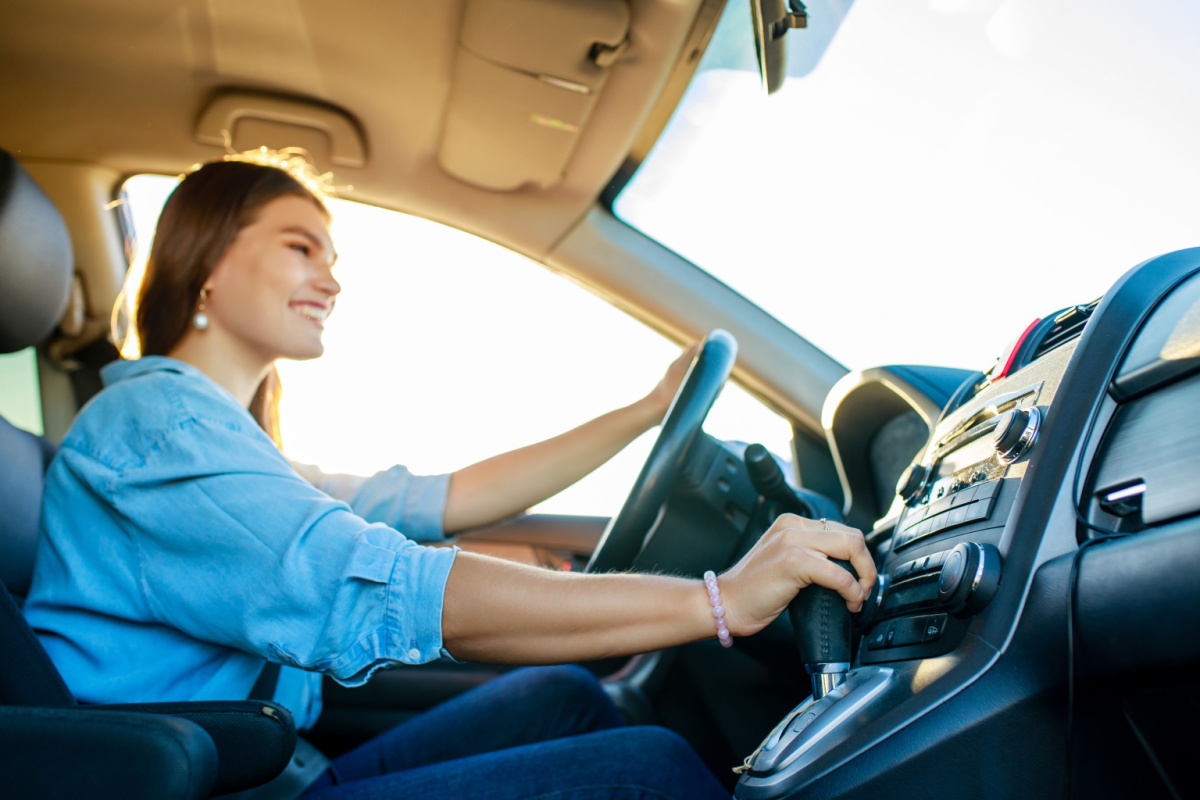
[(947, 171)]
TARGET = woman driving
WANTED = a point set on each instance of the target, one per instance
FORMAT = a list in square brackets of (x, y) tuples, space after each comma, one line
[(180, 549)]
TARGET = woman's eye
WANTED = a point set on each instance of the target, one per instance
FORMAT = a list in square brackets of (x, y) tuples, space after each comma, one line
[(303, 248)]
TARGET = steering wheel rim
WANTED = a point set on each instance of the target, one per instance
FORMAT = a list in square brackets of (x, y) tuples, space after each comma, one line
[(630, 530)]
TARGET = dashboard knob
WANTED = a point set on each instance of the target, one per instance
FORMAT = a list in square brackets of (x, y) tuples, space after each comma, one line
[(969, 578), (911, 482), (953, 571), (1015, 432)]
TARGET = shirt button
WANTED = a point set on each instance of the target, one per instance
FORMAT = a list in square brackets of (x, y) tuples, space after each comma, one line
[(414, 654)]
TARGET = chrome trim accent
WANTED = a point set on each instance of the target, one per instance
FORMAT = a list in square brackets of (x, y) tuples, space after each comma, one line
[(1128, 491), (824, 669), (785, 758), (1028, 436), (825, 682), (978, 569), (826, 677)]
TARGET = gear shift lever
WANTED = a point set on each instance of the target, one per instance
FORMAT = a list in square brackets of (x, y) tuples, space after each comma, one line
[(821, 623), (820, 619)]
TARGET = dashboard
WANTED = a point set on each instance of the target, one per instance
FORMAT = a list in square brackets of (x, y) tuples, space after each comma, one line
[(994, 637)]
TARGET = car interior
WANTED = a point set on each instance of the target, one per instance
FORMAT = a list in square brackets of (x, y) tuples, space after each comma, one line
[(1035, 629)]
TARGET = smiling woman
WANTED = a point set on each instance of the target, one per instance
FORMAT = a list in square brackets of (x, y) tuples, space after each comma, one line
[(444, 349), (166, 473)]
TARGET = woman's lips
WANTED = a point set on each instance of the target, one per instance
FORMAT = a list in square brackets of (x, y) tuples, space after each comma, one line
[(312, 312)]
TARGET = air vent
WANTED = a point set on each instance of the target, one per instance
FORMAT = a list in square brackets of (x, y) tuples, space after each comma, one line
[(1067, 325)]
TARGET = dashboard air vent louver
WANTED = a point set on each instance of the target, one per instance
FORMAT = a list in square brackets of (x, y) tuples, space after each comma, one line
[(1067, 326)]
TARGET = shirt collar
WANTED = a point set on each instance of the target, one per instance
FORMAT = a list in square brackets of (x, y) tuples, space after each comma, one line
[(123, 369)]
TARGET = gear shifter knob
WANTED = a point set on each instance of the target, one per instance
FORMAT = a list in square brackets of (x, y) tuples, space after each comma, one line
[(821, 623)]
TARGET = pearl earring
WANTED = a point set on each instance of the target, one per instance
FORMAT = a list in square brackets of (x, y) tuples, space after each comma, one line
[(200, 319)]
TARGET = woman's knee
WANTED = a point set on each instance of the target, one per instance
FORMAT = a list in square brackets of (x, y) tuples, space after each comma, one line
[(570, 683), (574, 692)]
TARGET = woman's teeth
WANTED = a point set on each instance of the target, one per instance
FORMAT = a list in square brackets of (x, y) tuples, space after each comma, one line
[(312, 312)]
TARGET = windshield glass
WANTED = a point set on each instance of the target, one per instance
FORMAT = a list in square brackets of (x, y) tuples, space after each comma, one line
[(947, 171)]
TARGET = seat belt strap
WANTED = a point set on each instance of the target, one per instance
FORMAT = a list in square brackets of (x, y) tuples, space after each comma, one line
[(264, 687)]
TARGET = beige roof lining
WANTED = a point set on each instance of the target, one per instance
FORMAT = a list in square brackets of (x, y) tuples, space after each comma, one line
[(131, 77)]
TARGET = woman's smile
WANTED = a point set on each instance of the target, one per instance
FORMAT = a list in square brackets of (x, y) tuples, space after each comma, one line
[(313, 312)]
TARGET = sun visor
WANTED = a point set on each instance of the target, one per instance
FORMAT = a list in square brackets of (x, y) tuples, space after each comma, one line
[(527, 75)]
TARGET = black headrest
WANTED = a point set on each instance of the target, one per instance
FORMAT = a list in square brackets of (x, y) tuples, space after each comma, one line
[(36, 261)]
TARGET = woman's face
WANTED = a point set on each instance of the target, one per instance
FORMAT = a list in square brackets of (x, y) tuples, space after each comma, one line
[(273, 289)]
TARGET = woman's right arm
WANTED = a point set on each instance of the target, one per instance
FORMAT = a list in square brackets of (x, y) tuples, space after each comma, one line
[(500, 612)]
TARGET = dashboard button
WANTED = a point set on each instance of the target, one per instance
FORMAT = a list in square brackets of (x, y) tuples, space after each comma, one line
[(937, 523), (986, 490), (977, 511), (933, 628), (909, 631), (957, 516), (937, 559), (878, 639)]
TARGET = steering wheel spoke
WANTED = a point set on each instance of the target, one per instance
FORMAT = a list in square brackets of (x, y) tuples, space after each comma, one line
[(630, 530)]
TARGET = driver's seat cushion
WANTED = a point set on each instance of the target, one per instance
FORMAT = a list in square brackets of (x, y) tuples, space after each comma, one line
[(22, 477)]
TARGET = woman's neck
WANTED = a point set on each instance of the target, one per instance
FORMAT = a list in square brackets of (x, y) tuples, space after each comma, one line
[(229, 365)]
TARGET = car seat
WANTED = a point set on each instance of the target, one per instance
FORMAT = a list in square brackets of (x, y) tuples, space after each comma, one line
[(50, 745)]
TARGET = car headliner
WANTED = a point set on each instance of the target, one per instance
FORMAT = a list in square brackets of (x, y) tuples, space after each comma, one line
[(129, 79), (94, 90)]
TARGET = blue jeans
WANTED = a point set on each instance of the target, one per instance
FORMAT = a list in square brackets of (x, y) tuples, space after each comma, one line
[(544, 732)]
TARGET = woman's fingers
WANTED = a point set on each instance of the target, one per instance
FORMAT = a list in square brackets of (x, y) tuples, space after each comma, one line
[(839, 542), (823, 572)]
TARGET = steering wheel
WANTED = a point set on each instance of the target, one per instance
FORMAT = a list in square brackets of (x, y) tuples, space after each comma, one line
[(630, 530)]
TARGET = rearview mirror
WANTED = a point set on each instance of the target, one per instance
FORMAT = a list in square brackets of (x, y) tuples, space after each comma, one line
[(772, 20)]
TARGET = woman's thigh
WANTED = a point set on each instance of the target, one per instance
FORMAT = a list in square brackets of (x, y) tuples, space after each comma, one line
[(519, 708), (643, 763)]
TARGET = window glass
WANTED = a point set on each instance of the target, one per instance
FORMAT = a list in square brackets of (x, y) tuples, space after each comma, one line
[(933, 174), (20, 393), (445, 349)]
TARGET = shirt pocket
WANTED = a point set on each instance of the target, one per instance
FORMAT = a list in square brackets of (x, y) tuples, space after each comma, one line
[(370, 563)]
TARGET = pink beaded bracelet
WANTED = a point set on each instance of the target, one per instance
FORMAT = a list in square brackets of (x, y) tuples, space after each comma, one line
[(718, 609)]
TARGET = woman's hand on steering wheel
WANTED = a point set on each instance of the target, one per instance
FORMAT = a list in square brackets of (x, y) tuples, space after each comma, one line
[(794, 553), (660, 397)]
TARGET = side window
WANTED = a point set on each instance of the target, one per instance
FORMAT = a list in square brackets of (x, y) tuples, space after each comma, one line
[(444, 349), (20, 393)]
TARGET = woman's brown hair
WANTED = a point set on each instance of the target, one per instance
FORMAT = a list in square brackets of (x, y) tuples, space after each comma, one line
[(199, 222)]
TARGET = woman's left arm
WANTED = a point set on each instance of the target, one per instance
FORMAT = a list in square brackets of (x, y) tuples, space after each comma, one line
[(507, 484)]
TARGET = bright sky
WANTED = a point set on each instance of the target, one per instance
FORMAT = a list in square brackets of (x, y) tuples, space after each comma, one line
[(950, 170), (445, 349)]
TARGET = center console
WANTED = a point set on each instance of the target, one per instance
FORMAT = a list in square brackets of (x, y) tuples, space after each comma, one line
[(989, 497)]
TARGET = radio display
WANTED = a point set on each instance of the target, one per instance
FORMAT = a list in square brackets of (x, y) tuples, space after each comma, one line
[(970, 453)]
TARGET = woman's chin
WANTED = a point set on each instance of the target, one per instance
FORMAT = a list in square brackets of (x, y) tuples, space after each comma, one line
[(306, 352)]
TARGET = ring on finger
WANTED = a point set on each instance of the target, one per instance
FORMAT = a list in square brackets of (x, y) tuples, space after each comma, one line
[(825, 522)]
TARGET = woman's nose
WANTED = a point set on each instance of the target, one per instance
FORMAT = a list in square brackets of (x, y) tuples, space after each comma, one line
[(329, 285)]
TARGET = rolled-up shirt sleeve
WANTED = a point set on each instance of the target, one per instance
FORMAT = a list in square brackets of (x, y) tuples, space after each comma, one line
[(412, 504), (247, 554)]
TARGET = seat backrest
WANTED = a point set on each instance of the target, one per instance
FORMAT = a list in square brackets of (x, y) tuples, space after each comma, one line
[(36, 265)]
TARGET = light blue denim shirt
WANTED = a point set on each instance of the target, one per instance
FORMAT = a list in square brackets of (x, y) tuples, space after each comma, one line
[(179, 549)]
